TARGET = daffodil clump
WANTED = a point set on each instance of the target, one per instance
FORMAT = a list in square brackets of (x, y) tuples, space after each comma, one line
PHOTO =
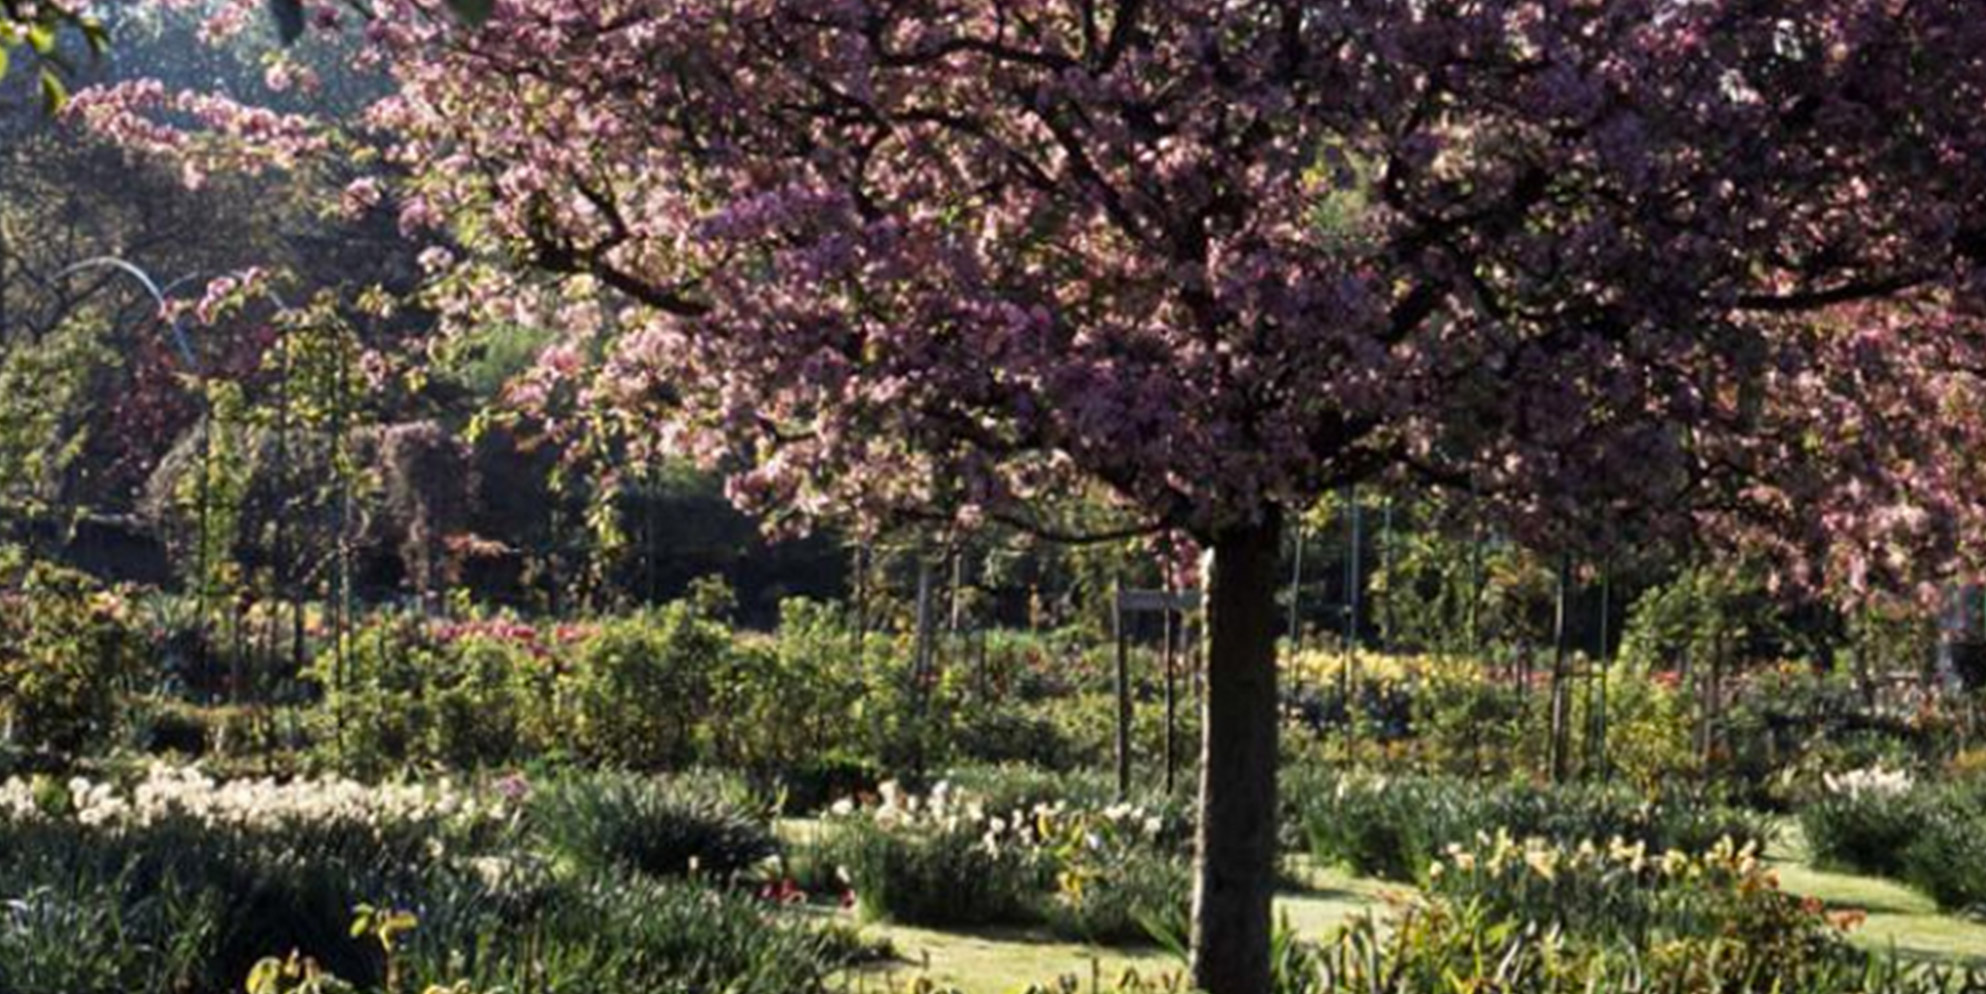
[(1394, 826), (185, 798), (1873, 782), (1616, 889), (1102, 873), (187, 795)]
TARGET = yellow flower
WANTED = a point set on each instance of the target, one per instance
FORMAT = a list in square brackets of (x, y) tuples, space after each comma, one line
[(1543, 862)]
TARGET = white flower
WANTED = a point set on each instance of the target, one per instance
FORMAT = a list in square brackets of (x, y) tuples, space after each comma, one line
[(1872, 781)]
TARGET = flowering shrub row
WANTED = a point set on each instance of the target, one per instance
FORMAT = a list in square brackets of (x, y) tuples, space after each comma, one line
[(176, 882)]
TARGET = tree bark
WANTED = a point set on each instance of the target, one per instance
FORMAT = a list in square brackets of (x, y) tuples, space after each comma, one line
[(1234, 881)]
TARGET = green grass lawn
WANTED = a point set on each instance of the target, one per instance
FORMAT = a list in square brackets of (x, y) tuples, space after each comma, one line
[(999, 961), (1899, 918)]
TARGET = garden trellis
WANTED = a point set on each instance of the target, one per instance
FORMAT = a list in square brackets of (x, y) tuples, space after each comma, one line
[(182, 343), (1175, 608)]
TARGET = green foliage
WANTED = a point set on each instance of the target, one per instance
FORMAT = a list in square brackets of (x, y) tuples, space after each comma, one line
[(1881, 822), (1865, 829), (1114, 883), (99, 932), (180, 885), (1454, 589), (610, 822), (68, 657), (784, 701), (1098, 874), (638, 684), (1947, 859), (1396, 827), (402, 694), (936, 875), (1469, 725), (1705, 614)]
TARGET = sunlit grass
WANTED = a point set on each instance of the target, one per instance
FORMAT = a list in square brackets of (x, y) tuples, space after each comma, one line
[(998, 961)]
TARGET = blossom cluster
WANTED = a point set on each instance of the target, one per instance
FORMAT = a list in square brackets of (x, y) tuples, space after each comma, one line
[(947, 810), (1616, 268), (171, 793), (1494, 855), (1869, 782)]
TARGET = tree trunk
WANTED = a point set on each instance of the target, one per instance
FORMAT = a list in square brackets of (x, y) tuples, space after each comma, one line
[(1235, 877)]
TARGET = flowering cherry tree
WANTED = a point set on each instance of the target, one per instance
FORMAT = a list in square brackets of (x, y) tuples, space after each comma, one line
[(1685, 263)]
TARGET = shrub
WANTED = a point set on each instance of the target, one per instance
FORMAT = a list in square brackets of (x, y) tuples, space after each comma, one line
[(1947, 859), (1391, 829), (637, 684), (604, 934), (67, 657), (1880, 821), (1864, 821), (475, 705), (1113, 883), (278, 866), (611, 821), (1541, 918), (406, 693)]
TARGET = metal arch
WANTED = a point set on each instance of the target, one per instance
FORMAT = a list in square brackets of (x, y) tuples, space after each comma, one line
[(177, 325)]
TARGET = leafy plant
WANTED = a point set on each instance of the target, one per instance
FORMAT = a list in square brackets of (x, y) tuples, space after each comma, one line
[(610, 822), (636, 685), (68, 657)]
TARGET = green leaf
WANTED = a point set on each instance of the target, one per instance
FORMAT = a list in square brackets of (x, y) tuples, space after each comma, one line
[(472, 12), (3, 62), (53, 93), (97, 35), (289, 19)]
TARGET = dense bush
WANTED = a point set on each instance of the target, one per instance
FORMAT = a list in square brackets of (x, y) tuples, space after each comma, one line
[(1553, 920), (811, 708), (1509, 916), (1864, 820), (922, 862), (238, 869), (403, 693), (1947, 859), (638, 682), (68, 654), (606, 934), (780, 703)]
